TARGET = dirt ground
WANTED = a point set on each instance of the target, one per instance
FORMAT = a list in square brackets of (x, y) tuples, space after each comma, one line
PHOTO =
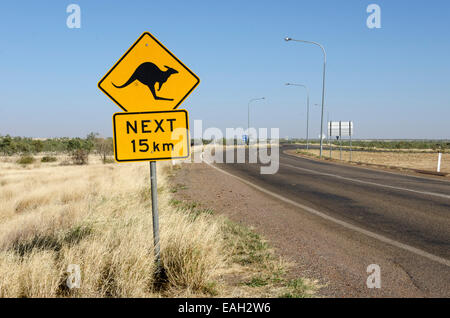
[(337, 259)]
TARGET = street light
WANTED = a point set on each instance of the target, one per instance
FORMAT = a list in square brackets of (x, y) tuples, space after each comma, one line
[(248, 118), (323, 85), (307, 111)]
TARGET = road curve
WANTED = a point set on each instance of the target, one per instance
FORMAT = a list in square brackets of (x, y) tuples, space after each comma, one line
[(411, 211)]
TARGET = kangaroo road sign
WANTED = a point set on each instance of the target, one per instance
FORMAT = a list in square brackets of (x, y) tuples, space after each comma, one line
[(148, 77), (148, 83), (161, 135)]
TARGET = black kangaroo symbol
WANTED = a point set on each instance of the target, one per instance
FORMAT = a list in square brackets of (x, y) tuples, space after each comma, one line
[(149, 74)]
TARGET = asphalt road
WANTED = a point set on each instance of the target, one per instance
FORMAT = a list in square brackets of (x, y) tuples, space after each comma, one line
[(409, 210)]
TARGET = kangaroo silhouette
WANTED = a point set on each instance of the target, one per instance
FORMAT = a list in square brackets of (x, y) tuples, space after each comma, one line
[(149, 74)]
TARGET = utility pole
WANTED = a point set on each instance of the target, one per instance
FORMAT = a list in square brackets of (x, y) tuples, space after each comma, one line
[(323, 85)]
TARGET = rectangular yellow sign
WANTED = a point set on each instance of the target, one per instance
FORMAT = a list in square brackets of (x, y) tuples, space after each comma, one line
[(149, 136)]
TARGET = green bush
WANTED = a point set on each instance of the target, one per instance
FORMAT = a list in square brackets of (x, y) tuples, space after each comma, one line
[(25, 160), (48, 159), (80, 156)]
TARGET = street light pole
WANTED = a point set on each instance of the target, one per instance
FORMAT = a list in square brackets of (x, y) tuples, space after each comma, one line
[(329, 132), (323, 85), (307, 111), (248, 118)]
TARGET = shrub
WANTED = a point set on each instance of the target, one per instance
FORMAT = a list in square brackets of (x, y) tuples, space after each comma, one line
[(108, 160), (25, 160), (80, 156), (48, 159)]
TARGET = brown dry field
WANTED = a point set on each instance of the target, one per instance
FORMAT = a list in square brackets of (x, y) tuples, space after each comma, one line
[(421, 161), (98, 216)]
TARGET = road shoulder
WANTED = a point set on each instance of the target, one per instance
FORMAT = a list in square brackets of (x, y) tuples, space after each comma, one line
[(337, 258)]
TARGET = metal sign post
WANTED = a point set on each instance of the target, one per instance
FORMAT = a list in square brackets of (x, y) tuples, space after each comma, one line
[(350, 134), (329, 139), (155, 216), (340, 129), (340, 137), (337, 139), (330, 136)]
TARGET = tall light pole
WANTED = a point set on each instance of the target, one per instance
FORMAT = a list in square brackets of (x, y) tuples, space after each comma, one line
[(248, 118), (307, 111), (323, 85)]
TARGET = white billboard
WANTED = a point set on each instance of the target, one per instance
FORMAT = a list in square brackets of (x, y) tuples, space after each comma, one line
[(340, 128)]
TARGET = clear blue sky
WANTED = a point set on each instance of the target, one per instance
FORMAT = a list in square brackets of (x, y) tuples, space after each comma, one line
[(393, 82)]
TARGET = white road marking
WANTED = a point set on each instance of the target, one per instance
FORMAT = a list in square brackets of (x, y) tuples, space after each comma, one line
[(358, 229), (367, 182)]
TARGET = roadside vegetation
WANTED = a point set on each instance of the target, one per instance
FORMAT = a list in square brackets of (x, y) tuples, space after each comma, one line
[(25, 160), (98, 216), (393, 145), (426, 161), (49, 159), (264, 274), (78, 149)]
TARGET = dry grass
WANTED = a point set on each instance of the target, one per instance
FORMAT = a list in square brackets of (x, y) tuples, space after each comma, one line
[(99, 217), (413, 160)]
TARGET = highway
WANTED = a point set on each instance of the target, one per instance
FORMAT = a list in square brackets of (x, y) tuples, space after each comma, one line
[(410, 214)]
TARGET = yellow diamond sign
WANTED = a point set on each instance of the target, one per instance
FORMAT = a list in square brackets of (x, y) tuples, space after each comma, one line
[(148, 77)]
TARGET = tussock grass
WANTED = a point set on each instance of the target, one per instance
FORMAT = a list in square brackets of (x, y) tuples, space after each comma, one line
[(99, 217), (264, 274)]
